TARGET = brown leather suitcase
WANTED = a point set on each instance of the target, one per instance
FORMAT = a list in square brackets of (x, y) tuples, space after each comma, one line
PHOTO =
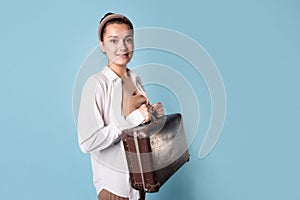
[(155, 151)]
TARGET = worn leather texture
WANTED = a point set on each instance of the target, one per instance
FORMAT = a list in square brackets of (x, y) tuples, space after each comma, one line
[(155, 151)]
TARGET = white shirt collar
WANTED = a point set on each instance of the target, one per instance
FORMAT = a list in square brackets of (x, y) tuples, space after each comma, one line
[(110, 74)]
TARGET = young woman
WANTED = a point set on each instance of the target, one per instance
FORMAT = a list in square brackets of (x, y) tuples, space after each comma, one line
[(111, 101)]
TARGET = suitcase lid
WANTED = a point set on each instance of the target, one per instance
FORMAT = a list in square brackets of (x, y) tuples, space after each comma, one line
[(167, 122)]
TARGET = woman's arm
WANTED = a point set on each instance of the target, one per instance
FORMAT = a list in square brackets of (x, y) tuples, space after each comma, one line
[(93, 133)]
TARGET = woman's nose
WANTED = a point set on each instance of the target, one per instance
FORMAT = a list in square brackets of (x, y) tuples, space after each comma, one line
[(122, 45)]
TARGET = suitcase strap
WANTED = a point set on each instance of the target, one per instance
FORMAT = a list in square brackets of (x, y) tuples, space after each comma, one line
[(139, 157)]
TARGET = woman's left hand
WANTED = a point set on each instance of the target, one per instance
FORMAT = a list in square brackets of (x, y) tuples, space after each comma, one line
[(158, 110)]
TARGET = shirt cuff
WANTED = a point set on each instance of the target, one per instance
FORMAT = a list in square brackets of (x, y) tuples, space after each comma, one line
[(135, 117)]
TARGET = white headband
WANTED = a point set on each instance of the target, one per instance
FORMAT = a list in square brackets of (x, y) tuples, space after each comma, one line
[(106, 19)]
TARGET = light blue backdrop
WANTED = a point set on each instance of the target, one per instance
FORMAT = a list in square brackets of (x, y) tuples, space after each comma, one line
[(255, 45)]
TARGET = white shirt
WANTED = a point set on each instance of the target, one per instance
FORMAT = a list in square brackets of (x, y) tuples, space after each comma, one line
[(100, 122)]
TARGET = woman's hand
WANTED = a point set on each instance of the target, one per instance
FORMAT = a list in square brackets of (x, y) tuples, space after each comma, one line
[(158, 110), (144, 109), (136, 101)]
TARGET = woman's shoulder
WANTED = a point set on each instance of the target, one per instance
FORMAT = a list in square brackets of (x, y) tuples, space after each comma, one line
[(132, 74), (100, 76), (95, 79)]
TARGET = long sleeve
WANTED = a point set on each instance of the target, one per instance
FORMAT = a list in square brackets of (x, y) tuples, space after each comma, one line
[(93, 133), (100, 106)]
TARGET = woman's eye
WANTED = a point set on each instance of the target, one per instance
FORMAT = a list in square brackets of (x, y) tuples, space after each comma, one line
[(129, 40), (114, 41)]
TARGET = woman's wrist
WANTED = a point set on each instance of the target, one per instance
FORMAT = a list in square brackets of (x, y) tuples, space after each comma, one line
[(135, 117)]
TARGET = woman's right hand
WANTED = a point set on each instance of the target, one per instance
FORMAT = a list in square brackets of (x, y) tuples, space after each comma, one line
[(136, 101), (144, 109)]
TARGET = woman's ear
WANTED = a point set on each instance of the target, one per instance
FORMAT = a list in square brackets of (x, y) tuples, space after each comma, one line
[(101, 46)]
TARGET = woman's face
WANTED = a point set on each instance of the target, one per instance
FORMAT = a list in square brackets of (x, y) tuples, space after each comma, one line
[(118, 44)]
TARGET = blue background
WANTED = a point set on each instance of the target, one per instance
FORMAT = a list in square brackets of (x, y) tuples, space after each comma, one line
[(255, 45)]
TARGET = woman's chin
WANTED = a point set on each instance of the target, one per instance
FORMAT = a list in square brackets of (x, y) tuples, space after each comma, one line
[(122, 61)]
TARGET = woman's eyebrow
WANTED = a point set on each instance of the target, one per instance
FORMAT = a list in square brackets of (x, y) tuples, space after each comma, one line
[(113, 36), (117, 37)]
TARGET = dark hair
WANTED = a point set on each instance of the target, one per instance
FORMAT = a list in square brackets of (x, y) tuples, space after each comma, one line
[(119, 20)]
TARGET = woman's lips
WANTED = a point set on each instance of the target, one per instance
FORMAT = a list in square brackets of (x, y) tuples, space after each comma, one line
[(125, 55)]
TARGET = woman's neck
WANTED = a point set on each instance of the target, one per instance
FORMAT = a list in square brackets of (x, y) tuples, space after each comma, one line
[(119, 70)]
